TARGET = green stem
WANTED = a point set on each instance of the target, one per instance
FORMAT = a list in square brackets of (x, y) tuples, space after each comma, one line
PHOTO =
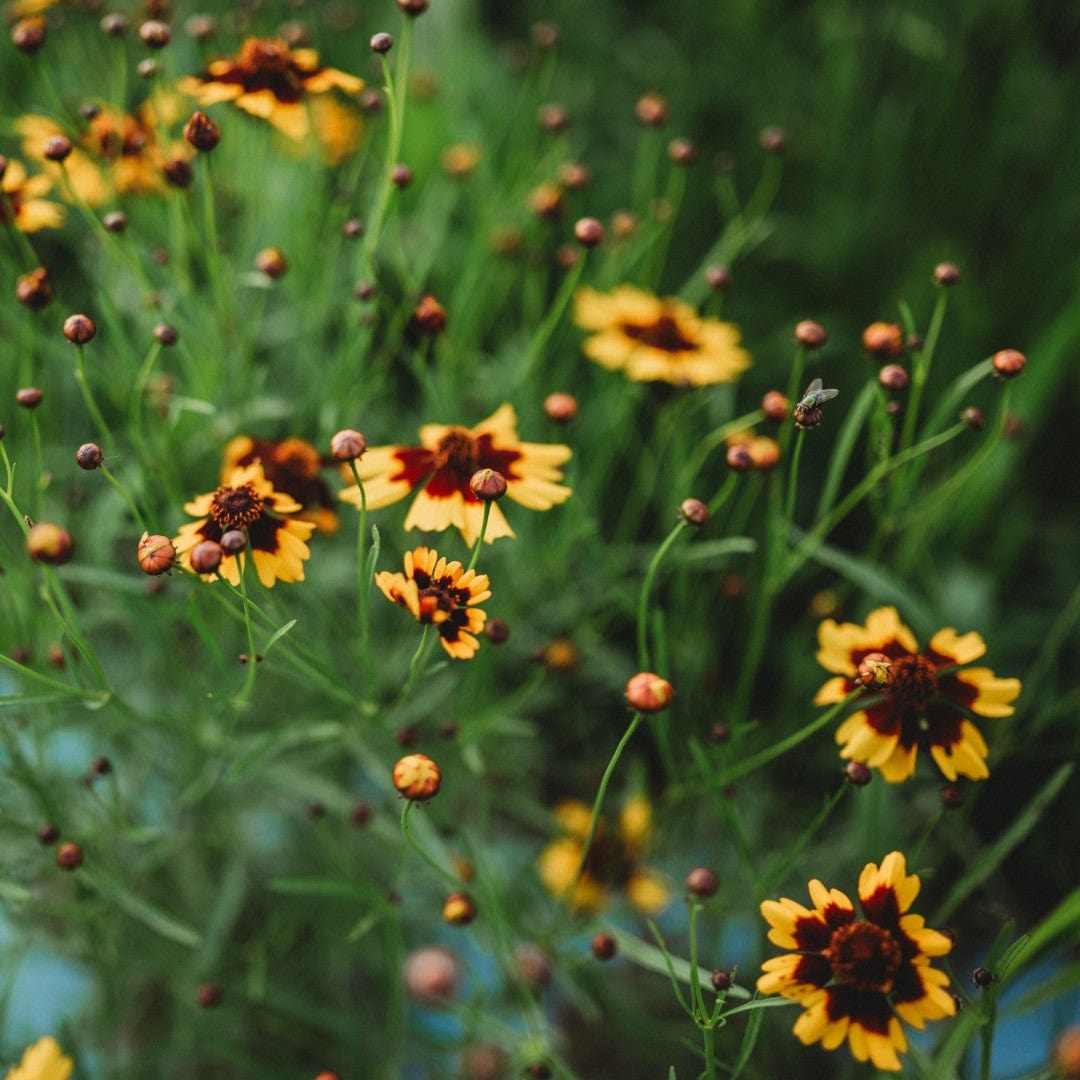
[(249, 627), (419, 658), (921, 370), (643, 599), (136, 513), (445, 874), (364, 574), (480, 538), (792, 485), (535, 348), (91, 405)]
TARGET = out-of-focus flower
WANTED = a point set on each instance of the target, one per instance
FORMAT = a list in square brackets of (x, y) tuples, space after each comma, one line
[(613, 864), (444, 463), (914, 698), (21, 201), (857, 978), (651, 339), (44, 1060)]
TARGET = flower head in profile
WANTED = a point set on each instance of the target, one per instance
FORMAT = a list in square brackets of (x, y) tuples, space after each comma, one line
[(651, 339), (914, 699), (286, 87), (857, 978), (442, 594), (613, 864), (44, 1060), (293, 466), (444, 463), (247, 502), (22, 203)]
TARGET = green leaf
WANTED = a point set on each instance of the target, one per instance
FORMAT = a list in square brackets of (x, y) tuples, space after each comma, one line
[(142, 911), (279, 633)]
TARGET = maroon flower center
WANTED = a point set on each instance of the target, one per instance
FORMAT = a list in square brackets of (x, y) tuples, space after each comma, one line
[(864, 956), (258, 56), (236, 507), (914, 681), (662, 333), (438, 597), (266, 64), (458, 452)]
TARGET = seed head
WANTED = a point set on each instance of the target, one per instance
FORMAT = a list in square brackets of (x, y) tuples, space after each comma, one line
[(34, 289), (604, 946), (417, 777), (201, 132), (651, 109), (488, 485), (649, 693), (1008, 363), (883, 340), (28, 35), (459, 909), (702, 882), (49, 544), (69, 856), (381, 43), (588, 232), (206, 557), (430, 316), (79, 329), (694, 512), (347, 445), (810, 334), (156, 554), (893, 377), (560, 407), (946, 274), (155, 34)]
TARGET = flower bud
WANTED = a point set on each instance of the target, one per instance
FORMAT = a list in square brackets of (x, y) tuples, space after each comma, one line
[(946, 274), (952, 796), (57, 148), (497, 631), (347, 445), (147, 69), (417, 777), (682, 152), (28, 34), (694, 512), (430, 316), (34, 289), (718, 278), (651, 109), (561, 408), (178, 172), (553, 117), (79, 329), (401, 176), (208, 996), (89, 456), (29, 397), (775, 406), (432, 974), (156, 554), (413, 8), (588, 232), (810, 334), (738, 458), (721, 980), (546, 201), (114, 24), (773, 140), (982, 977), (649, 693), (115, 221), (893, 377), (353, 229), (271, 261), (974, 418), (48, 834), (206, 557), (488, 485), (155, 34), (702, 882), (49, 544), (201, 132), (381, 43), (459, 909), (1008, 363), (166, 335), (857, 774), (69, 856), (233, 542), (604, 946), (883, 340), (533, 965)]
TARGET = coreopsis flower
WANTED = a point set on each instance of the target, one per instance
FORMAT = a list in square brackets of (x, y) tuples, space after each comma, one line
[(915, 699), (442, 594), (44, 1060), (294, 467), (21, 202), (286, 87), (444, 463), (653, 339), (857, 978), (247, 502), (614, 860)]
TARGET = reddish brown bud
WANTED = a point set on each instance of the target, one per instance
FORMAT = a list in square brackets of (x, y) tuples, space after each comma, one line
[(588, 232), (764, 452), (682, 151), (178, 172), (201, 132), (857, 774), (381, 43), (347, 445), (233, 542), (694, 512), (156, 554), (115, 221), (721, 980), (459, 909), (206, 557), (538, 1070), (165, 334), (417, 777), (773, 140), (651, 109), (49, 544), (413, 8), (430, 316), (432, 974), (34, 289), (487, 485), (883, 340), (553, 117), (775, 406), (952, 796), (1008, 363), (353, 228), (497, 631), (574, 176), (208, 996), (271, 261), (89, 456), (982, 977), (79, 329), (69, 856), (561, 408), (946, 274), (649, 693), (719, 733), (604, 946), (155, 34), (29, 397), (48, 834), (28, 34), (739, 459), (893, 377), (702, 882), (810, 334), (974, 418), (401, 176), (718, 277)]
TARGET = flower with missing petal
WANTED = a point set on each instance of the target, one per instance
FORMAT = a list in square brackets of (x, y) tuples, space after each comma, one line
[(444, 463), (21, 202), (247, 502), (914, 699), (44, 1060), (442, 594), (651, 339), (294, 467), (857, 978), (286, 87), (614, 861)]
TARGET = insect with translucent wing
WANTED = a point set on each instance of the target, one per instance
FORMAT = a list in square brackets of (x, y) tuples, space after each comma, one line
[(808, 410)]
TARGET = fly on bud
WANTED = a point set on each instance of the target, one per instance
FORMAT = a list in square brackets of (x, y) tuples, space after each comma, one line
[(808, 410)]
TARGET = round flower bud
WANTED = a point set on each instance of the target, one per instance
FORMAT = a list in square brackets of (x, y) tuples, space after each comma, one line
[(401, 176), (588, 232), (560, 407), (271, 261), (413, 8), (57, 148), (1008, 363), (946, 274), (651, 109), (604, 946), (857, 774), (545, 35), (233, 542), (432, 974), (553, 117), (381, 43), (146, 69), (114, 24), (694, 512), (893, 377), (48, 834), (649, 693), (719, 733), (353, 228), (79, 329), (327, 1075), (206, 557), (538, 1070), (29, 397), (165, 334), (718, 278), (201, 132), (208, 996), (883, 340), (982, 977), (156, 554), (430, 316), (34, 289), (49, 544), (417, 777), (115, 221), (974, 418), (155, 34), (488, 485), (347, 445), (69, 856), (89, 456), (178, 172), (773, 140), (775, 406), (574, 176), (810, 334), (546, 201), (28, 34), (739, 458), (952, 796), (875, 670), (682, 151), (624, 224), (497, 631), (721, 980), (201, 27), (702, 882), (459, 909)]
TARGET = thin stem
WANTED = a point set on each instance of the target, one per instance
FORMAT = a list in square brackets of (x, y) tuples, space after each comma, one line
[(136, 513), (363, 597), (535, 348), (643, 599), (480, 538), (249, 681), (103, 430), (419, 658), (792, 484), (921, 370), (445, 874)]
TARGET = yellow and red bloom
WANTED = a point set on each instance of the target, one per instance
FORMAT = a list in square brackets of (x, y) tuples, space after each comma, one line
[(247, 502), (653, 339), (916, 699), (442, 466), (442, 594), (294, 467), (287, 88), (857, 978), (613, 864), (21, 202), (44, 1060)]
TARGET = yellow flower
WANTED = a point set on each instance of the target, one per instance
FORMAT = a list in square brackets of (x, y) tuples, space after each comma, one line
[(856, 979), (442, 466), (657, 340), (248, 502), (613, 863), (442, 594), (21, 201), (42, 1061), (915, 698), (283, 86)]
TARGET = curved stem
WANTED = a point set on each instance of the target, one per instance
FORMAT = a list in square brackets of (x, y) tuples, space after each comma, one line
[(445, 874), (643, 599), (480, 538)]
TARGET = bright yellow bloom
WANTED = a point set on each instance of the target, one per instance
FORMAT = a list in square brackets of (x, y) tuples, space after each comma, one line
[(42, 1061), (21, 201), (651, 339), (856, 979)]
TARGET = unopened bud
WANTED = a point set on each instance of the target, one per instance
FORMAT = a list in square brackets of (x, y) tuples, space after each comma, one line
[(893, 377), (488, 485), (430, 316), (775, 406), (561, 408), (347, 445), (271, 261), (155, 34), (49, 544), (1008, 363), (459, 909), (69, 856), (233, 541), (857, 774), (702, 882), (79, 329), (694, 512), (810, 334), (57, 148), (604, 946), (206, 557), (34, 289), (883, 340), (381, 43), (201, 132), (649, 693), (946, 274), (588, 232), (417, 777), (89, 456), (721, 980), (156, 554)]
